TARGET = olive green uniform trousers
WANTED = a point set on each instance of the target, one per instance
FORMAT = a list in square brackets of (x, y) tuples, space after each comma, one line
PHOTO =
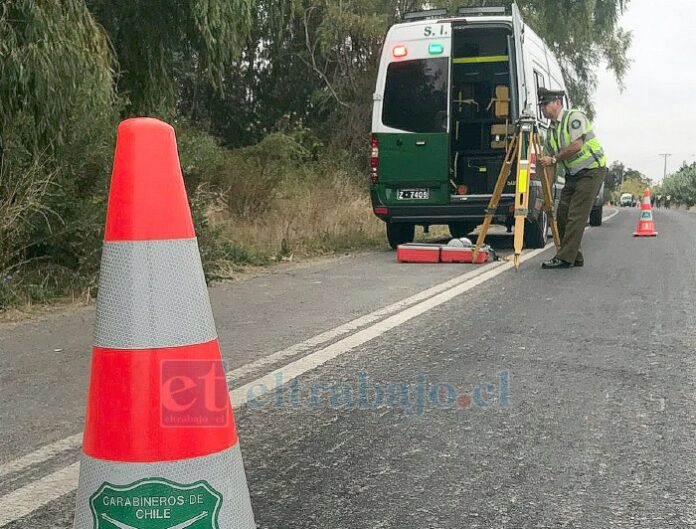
[(577, 199)]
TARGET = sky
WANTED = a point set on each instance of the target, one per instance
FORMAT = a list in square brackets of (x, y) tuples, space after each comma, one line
[(656, 113)]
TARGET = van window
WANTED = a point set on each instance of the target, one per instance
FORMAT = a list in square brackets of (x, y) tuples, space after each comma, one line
[(415, 95), (478, 42), (539, 82)]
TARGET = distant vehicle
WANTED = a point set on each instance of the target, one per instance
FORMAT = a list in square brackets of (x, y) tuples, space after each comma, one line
[(449, 90), (626, 199)]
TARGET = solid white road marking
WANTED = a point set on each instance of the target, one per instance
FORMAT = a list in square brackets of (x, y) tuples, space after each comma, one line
[(611, 216), (38, 493), (42, 454), (31, 497), (285, 374), (247, 369), (69, 443)]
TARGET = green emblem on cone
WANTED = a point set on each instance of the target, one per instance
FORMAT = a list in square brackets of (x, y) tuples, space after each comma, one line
[(156, 503), (646, 215)]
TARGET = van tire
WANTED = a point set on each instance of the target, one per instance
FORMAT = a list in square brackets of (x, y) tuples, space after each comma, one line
[(596, 217), (461, 229), (536, 231), (400, 233)]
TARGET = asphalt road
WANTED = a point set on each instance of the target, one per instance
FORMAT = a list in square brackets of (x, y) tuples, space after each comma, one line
[(454, 396)]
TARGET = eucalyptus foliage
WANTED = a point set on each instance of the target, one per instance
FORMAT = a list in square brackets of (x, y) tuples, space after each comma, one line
[(56, 74), (158, 41), (583, 34), (241, 70), (317, 60)]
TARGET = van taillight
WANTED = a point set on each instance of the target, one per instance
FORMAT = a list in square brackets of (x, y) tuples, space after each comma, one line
[(374, 159)]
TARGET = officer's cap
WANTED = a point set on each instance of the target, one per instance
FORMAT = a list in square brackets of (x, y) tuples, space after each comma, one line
[(546, 95)]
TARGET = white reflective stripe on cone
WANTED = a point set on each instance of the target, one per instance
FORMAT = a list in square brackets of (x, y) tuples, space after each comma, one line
[(152, 294)]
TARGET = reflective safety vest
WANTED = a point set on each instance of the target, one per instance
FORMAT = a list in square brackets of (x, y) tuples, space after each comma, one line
[(590, 156)]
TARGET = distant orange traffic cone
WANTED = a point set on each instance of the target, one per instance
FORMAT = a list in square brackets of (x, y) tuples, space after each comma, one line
[(646, 224), (160, 446)]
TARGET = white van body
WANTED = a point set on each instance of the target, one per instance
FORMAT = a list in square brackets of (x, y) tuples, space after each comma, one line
[(436, 109), (536, 66)]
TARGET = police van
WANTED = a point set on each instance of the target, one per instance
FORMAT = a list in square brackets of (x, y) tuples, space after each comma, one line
[(449, 91)]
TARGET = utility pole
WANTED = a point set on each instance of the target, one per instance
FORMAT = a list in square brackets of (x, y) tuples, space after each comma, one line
[(664, 174)]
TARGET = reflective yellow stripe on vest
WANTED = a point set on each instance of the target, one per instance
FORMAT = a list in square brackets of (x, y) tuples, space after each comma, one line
[(590, 156)]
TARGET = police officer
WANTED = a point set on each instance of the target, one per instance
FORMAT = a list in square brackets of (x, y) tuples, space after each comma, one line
[(572, 144)]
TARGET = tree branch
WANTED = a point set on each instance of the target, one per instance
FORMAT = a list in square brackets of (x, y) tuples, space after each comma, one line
[(311, 49)]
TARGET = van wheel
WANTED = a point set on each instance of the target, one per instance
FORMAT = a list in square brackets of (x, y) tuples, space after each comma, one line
[(461, 229), (400, 233), (536, 231), (596, 217)]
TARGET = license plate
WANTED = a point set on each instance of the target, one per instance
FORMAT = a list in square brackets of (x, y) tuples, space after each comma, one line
[(413, 194)]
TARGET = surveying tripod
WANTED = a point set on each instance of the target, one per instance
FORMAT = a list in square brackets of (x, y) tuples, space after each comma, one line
[(519, 151)]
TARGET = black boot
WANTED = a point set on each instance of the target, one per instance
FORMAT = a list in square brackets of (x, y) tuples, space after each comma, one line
[(556, 263)]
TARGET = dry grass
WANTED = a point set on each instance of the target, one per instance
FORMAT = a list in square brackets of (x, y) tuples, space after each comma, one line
[(328, 214)]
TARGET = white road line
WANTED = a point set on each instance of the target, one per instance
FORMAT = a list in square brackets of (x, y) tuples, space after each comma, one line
[(449, 290), (609, 217), (38, 493), (69, 443), (42, 454), (247, 369), (291, 371)]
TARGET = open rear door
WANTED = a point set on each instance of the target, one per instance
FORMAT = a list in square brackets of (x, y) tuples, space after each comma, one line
[(518, 39)]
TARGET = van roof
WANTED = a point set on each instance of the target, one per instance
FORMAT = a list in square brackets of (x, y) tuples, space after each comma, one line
[(449, 19), (441, 15)]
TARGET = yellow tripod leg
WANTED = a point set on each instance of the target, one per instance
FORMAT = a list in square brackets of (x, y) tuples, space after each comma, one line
[(548, 194), (521, 197), (495, 198)]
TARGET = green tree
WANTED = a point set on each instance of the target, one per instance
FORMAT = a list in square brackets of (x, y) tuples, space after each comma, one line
[(335, 48), (56, 75), (56, 122), (634, 182), (160, 41), (681, 186), (615, 176), (266, 84), (68, 68)]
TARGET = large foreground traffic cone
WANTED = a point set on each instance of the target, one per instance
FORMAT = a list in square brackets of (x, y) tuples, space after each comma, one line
[(646, 224), (160, 446)]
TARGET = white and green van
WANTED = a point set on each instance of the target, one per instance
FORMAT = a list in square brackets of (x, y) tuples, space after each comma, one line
[(449, 90)]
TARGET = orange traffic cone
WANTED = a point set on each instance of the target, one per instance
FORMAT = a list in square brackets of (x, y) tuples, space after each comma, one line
[(646, 224), (160, 446)]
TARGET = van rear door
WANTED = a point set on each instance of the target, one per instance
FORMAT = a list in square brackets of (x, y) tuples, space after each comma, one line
[(413, 138), (518, 39)]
